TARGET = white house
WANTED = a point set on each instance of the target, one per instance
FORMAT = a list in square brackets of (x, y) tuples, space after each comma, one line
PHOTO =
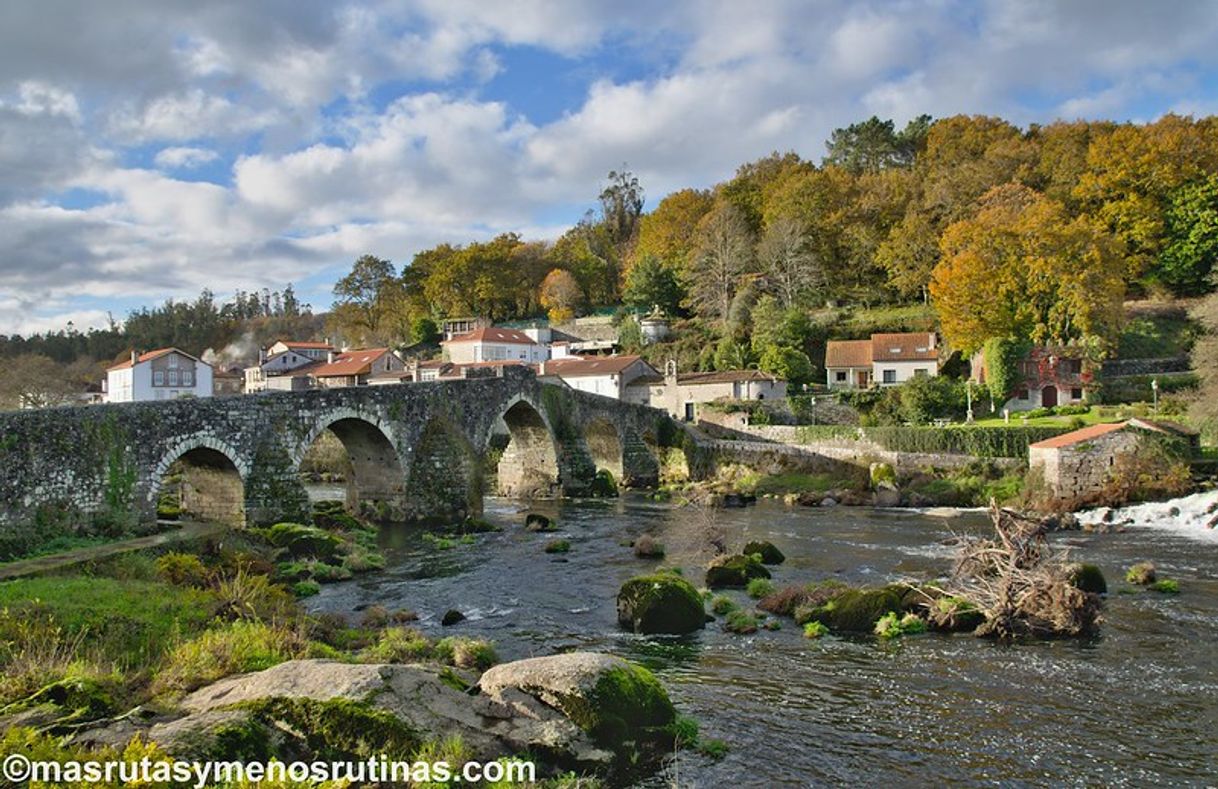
[(285, 356), (493, 344), (163, 374), (885, 359), (603, 375)]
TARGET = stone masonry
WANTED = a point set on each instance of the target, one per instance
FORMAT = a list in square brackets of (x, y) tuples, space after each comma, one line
[(417, 449)]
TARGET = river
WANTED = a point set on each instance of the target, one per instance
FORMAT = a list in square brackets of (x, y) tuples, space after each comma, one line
[(1136, 706)]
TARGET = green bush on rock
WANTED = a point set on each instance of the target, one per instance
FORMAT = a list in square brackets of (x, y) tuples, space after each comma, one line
[(766, 550), (735, 571), (1165, 586), (660, 603), (759, 588), (890, 626), (1141, 574), (854, 610)]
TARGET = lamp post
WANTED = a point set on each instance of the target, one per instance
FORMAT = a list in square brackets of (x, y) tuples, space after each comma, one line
[(968, 388), (1154, 389)]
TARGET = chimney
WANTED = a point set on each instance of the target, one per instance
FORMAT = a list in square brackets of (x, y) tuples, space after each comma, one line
[(330, 357), (261, 355), (135, 357)]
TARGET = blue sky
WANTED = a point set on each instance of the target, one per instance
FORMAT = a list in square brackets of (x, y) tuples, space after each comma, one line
[(169, 146)]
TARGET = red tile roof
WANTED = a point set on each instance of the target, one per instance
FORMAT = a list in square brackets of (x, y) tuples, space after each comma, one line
[(357, 362), (149, 356), (848, 353), (723, 377), (493, 334), (578, 367), (1078, 436), (916, 347)]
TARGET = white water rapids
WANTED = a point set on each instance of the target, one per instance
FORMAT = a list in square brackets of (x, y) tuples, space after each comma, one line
[(1194, 516)]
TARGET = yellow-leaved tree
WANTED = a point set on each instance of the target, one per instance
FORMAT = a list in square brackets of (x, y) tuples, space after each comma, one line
[(560, 295), (1021, 267)]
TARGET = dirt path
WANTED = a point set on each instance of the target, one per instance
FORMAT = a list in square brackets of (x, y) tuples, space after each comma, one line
[(40, 564)]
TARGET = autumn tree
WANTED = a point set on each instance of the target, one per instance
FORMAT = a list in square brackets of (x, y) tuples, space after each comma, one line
[(722, 253), (667, 233), (909, 255), (560, 295), (1023, 268), (370, 304)]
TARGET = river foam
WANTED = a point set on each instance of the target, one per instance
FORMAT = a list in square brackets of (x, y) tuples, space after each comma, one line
[(1189, 516)]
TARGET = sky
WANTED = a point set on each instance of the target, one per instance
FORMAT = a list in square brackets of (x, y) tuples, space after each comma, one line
[(153, 148)]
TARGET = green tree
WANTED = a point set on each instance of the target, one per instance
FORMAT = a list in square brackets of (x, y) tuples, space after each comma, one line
[(1191, 234), (873, 145), (650, 283), (790, 364), (424, 330), (369, 303), (621, 205), (731, 354)]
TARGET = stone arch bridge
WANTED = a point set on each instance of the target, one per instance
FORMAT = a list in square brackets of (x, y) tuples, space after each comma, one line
[(418, 450)]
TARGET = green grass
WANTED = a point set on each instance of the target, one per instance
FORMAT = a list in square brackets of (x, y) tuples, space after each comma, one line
[(128, 622), (861, 323), (1155, 333), (795, 482), (1092, 417)]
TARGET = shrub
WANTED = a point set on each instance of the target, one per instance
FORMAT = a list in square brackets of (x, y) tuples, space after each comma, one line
[(722, 604), (181, 569), (890, 626), (306, 588), (1166, 586), (1142, 574), (741, 622), (815, 630), (465, 652), (648, 547), (759, 588), (558, 546), (234, 648), (399, 645)]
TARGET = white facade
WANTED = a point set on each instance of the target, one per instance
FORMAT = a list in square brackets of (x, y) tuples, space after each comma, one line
[(166, 374), (894, 373), (607, 376), (495, 345)]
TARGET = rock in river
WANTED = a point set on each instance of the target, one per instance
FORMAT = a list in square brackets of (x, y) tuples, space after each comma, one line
[(735, 570), (660, 603)]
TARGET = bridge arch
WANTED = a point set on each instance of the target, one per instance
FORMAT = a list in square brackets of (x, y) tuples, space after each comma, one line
[(377, 481), (528, 467), (210, 482)]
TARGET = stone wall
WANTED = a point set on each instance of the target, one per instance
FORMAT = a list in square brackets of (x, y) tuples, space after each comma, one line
[(1084, 468), (417, 449)]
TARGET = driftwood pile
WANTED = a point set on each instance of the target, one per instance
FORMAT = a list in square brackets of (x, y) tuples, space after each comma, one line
[(1023, 585)]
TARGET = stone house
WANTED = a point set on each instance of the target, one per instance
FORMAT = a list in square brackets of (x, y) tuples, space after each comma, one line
[(1047, 377), (680, 395), (884, 359), (163, 374), (1080, 463), (608, 376)]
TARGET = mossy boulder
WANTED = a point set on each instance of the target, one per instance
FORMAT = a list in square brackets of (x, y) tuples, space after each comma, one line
[(766, 550), (660, 603), (734, 571), (535, 521), (855, 610), (1088, 578), (621, 705), (300, 541), (603, 484)]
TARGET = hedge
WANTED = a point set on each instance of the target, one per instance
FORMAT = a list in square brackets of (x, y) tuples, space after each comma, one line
[(1004, 441)]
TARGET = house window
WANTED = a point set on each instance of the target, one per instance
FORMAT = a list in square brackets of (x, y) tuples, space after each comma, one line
[(188, 378), (921, 372), (840, 376), (173, 361), (158, 378), (1022, 394), (173, 377), (1076, 393), (1072, 366), (889, 376)]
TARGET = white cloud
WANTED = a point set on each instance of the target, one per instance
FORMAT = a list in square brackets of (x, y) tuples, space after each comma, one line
[(332, 169), (184, 158)]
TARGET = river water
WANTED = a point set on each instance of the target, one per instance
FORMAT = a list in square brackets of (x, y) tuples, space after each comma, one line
[(1137, 706)]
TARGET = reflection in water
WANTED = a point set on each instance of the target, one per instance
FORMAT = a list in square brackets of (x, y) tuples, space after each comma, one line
[(1136, 706)]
